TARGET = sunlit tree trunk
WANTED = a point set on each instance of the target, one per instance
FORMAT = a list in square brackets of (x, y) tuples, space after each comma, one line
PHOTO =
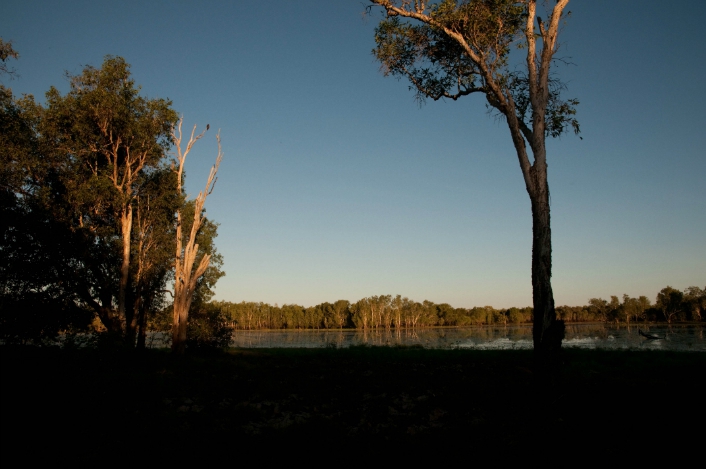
[(185, 276)]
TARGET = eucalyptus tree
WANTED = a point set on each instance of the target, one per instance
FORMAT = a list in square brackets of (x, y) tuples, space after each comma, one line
[(38, 252), (634, 307), (397, 305), (614, 308), (341, 313), (695, 301), (328, 315), (109, 136), (313, 317), (380, 311), (628, 308), (670, 302), (156, 202), (599, 308), (412, 312), (361, 313), (456, 48), (36, 295)]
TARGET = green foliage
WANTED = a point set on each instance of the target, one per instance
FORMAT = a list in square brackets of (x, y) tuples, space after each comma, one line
[(385, 311), (515, 316), (81, 178), (435, 63), (695, 302), (152, 245), (107, 135), (438, 66), (374, 312), (670, 303), (7, 52), (111, 145), (36, 297), (599, 308), (208, 328), (560, 114)]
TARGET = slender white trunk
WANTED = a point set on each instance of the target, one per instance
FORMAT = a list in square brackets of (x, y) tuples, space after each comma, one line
[(126, 232), (185, 276)]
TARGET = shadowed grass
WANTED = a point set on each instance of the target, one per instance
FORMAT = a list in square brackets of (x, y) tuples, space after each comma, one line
[(388, 398)]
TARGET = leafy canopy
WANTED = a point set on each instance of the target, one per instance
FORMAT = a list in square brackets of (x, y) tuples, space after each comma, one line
[(465, 48)]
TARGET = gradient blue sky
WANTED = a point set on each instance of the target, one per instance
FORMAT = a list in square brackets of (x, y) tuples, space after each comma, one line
[(336, 185)]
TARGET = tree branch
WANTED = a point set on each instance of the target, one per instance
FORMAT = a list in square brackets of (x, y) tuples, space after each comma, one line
[(418, 14), (443, 93)]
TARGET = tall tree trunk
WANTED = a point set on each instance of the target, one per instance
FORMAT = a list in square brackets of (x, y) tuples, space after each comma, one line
[(123, 310), (181, 314), (185, 276), (547, 332)]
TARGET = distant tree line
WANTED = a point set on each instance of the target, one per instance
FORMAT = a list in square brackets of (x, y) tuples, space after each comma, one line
[(387, 311)]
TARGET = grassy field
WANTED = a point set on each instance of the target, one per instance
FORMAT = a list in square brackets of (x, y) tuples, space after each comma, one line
[(406, 401)]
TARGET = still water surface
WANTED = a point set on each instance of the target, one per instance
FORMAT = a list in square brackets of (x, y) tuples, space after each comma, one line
[(587, 336)]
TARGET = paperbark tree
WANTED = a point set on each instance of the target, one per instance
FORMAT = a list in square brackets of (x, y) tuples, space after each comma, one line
[(695, 301), (670, 302), (153, 246), (110, 136), (185, 275), (456, 48), (599, 307)]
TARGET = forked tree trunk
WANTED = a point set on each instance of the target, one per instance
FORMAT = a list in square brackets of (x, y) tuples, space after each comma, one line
[(547, 332), (185, 275)]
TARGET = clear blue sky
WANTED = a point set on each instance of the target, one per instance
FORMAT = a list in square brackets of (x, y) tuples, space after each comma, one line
[(336, 185)]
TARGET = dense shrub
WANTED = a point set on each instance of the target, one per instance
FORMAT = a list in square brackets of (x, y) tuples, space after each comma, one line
[(208, 328)]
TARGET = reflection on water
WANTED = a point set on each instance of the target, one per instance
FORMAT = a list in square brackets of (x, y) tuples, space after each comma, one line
[(590, 336)]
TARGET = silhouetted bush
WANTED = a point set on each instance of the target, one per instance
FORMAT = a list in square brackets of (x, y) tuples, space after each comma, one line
[(33, 319), (208, 328)]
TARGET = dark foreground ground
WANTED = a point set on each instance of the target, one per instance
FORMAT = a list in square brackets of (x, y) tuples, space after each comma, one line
[(350, 404)]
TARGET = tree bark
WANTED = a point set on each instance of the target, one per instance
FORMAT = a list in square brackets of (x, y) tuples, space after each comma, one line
[(126, 231), (179, 327), (185, 276), (547, 332)]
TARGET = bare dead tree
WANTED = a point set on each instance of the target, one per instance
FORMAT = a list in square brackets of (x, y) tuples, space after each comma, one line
[(185, 275)]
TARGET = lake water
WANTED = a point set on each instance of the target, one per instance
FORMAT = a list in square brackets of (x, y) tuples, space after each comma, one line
[(587, 336)]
